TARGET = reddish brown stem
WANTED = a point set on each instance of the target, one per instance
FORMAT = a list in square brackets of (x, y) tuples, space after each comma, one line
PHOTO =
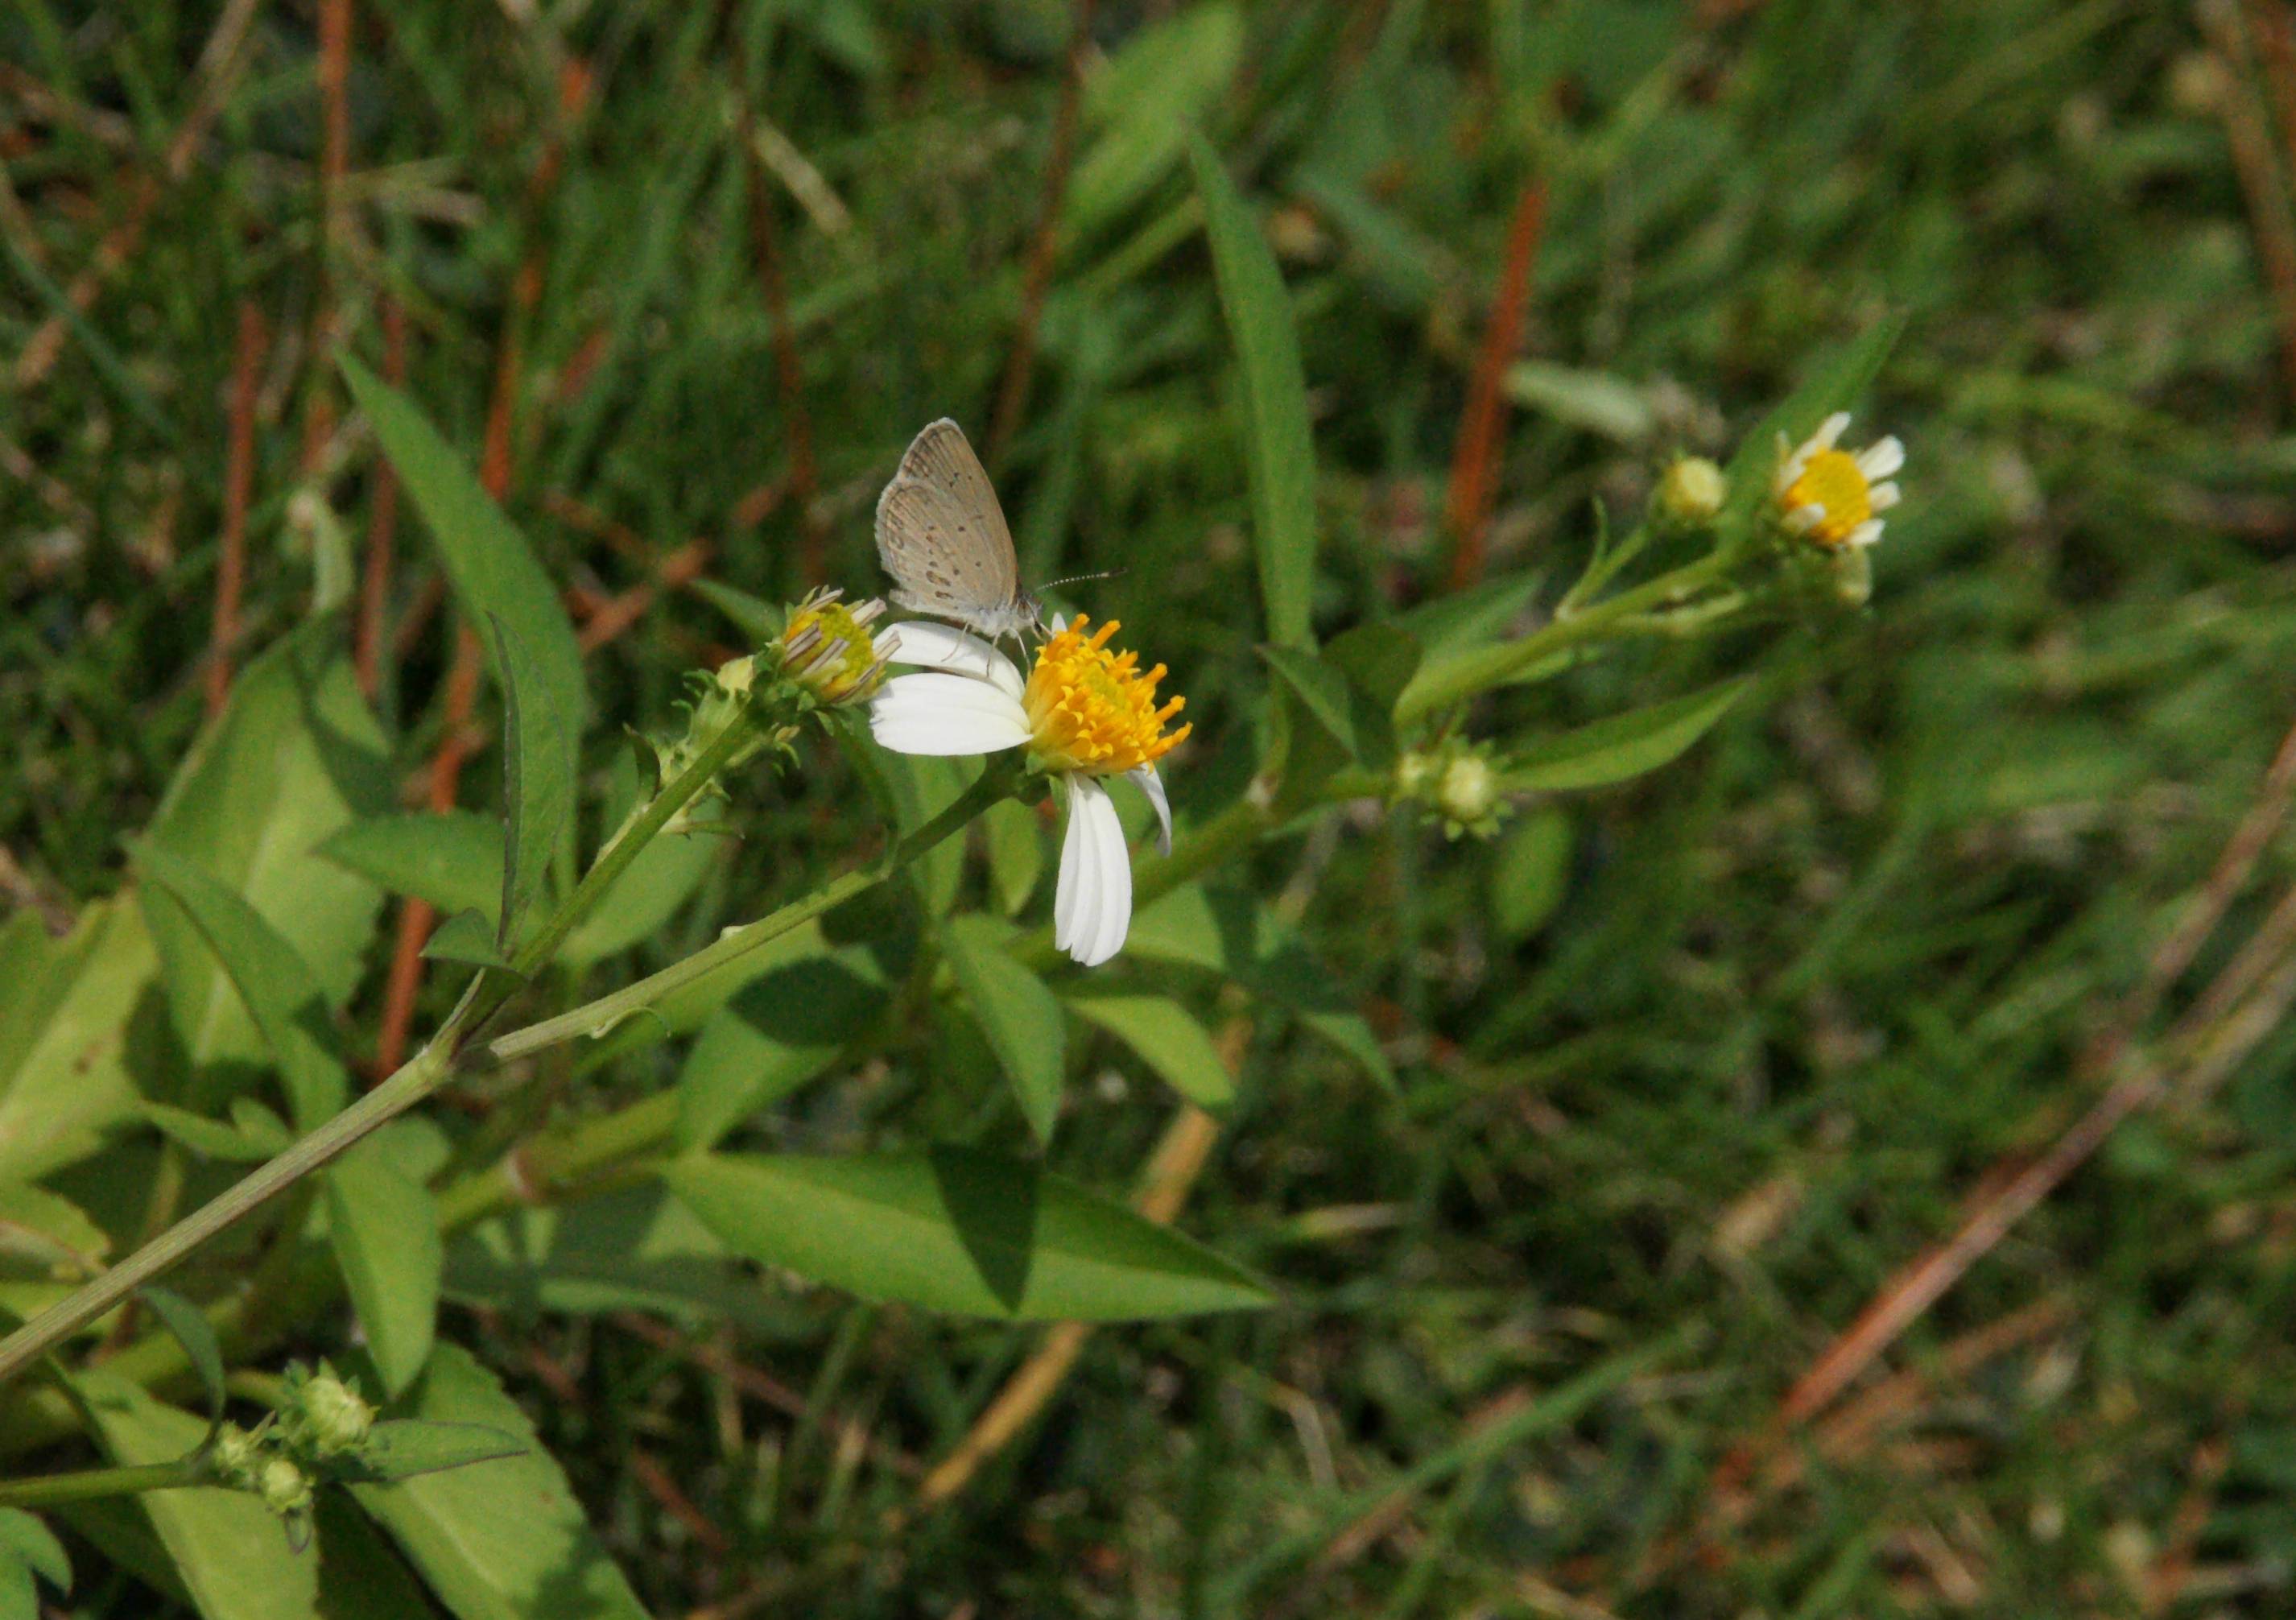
[(239, 477), (1043, 251), (1474, 474)]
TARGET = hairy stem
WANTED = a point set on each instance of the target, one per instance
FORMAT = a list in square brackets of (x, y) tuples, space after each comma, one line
[(54, 1490)]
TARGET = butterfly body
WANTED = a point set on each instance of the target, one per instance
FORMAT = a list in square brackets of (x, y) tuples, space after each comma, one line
[(942, 536)]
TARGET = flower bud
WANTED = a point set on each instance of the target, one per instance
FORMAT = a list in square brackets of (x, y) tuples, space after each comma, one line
[(1467, 796), (285, 1489), (334, 1418), (1692, 491), (236, 1455), (828, 650)]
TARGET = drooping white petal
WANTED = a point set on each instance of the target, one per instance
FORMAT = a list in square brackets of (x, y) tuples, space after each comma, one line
[(1151, 787), (1092, 909), (1881, 498), (943, 646), (946, 714), (1882, 458)]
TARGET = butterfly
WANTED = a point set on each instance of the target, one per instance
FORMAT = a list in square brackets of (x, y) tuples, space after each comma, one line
[(942, 536)]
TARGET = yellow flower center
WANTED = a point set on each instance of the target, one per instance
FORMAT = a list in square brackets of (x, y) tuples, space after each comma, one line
[(837, 664), (1832, 483), (1092, 710)]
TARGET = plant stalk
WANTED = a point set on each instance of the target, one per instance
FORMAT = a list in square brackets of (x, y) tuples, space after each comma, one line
[(54, 1490)]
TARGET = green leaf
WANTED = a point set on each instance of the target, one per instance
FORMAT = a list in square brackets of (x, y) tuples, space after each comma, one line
[(49, 1232), (1349, 691), (1144, 100), (453, 860), (295, 756), (494, 573), (1020, 1017), (190, 1327), (647, 894), (960, 1232), (225, 1546), (497, 1540), (68, 1012), (466, 937), (758, 619), (253, 1134), (635, 1248), (360, 1577), (1279, 445), (385, 1233), (1169, 1039), (273, 980), (1531, 873), (1621, 747), (777, 1034), (29, 1543), (402, 1448), (1833, 386), (538, 775), (1016, 853)]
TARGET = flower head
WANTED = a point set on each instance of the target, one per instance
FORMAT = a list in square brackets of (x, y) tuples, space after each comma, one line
[(1092, 710), (1833, 496), (827, 649), (1082, 713)]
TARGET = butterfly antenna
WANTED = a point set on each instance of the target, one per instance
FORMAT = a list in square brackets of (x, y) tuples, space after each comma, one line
[(1113, 573)]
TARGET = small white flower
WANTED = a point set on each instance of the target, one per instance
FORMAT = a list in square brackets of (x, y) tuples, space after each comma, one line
[(1833, 497), (1082, 713)]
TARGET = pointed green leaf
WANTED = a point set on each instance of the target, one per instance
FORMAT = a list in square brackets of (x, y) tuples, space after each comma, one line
[(961, 1232), (252, 1134), (647, 894), (538, 774), (1169, 1039), (497, 1540), (1277, 439), (454, 859), (273, 981), (385, 1233), (1621, 747), (48, 1233), (67, 1019), (402, 1448), (225, 1546), (468, 938), (295, 756), (492, 569), (1020, 1017), (28, 1542), (190, 1326), (777, 1034), (1016, 853)]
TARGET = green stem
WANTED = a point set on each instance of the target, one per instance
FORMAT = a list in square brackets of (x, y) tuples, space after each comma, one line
[(1462, 677), (54, 1490), (596, 1017)]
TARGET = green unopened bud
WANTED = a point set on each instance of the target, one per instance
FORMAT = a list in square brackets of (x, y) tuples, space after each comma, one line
[(1468, 796), (236, 1456), (1414, 775), (828, 649), (284, 1488), (1692, 491), (335, 1420)]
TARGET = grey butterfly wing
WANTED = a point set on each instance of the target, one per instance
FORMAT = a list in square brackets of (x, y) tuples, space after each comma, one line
[(941, 534)]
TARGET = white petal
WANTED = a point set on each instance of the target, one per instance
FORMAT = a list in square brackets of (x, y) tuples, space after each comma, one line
[(1151, 787), (1077, 878), (942, 646), (1882, 457), (1866, 532), (948, 714), (1829, 429), (1092, 909), (1881, 498), (1802, 520)]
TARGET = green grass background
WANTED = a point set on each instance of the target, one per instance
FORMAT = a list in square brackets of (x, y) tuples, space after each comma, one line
[(1794, 994)]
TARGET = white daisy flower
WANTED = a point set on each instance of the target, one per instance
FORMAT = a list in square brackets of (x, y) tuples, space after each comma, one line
[(1083, 713), (1833, 497)]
